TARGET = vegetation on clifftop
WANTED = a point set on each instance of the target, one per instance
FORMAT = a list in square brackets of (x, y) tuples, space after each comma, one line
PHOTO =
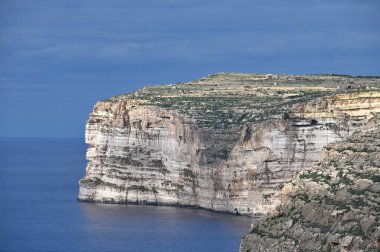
[(227, 100)]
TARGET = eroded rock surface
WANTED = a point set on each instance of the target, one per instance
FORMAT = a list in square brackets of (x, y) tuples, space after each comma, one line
[(332, 206), (227, 142)]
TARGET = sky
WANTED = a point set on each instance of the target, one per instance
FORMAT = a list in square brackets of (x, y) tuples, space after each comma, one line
[(58, 57)]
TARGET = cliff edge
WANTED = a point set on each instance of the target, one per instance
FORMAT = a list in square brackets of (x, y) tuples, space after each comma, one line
[(227, 142)]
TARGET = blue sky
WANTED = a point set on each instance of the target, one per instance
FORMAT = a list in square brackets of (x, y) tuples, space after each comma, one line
[(58, 57)]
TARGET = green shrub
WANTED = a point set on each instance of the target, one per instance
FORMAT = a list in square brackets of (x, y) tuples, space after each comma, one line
[(138, 188), (188, 173)]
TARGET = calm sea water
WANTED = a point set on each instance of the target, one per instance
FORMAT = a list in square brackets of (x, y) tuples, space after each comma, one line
[(39, 211)]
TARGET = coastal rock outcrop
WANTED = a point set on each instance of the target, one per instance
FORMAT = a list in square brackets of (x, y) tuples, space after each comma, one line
[(227, 142), (332, 206)]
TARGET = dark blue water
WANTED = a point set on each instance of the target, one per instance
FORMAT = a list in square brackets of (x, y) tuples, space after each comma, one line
[(39, 211)]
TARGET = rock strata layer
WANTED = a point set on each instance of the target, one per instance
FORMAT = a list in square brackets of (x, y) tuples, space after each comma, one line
[(227, 142)]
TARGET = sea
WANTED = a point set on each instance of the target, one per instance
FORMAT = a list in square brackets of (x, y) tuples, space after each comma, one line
[(39, 211)]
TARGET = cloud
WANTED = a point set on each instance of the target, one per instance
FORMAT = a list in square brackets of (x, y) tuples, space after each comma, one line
[(92, 49), (124, 29)]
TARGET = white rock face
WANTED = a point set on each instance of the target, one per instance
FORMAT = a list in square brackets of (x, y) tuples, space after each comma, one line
[(150, 155)]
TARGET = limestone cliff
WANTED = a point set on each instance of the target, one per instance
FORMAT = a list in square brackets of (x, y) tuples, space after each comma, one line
[(332, 206), (227, 142)]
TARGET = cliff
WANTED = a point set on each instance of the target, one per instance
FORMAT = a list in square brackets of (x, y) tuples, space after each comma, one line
[(332, 206), (227, 142)]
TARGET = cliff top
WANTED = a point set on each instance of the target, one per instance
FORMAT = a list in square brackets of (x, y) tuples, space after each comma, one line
[(225, 100)]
